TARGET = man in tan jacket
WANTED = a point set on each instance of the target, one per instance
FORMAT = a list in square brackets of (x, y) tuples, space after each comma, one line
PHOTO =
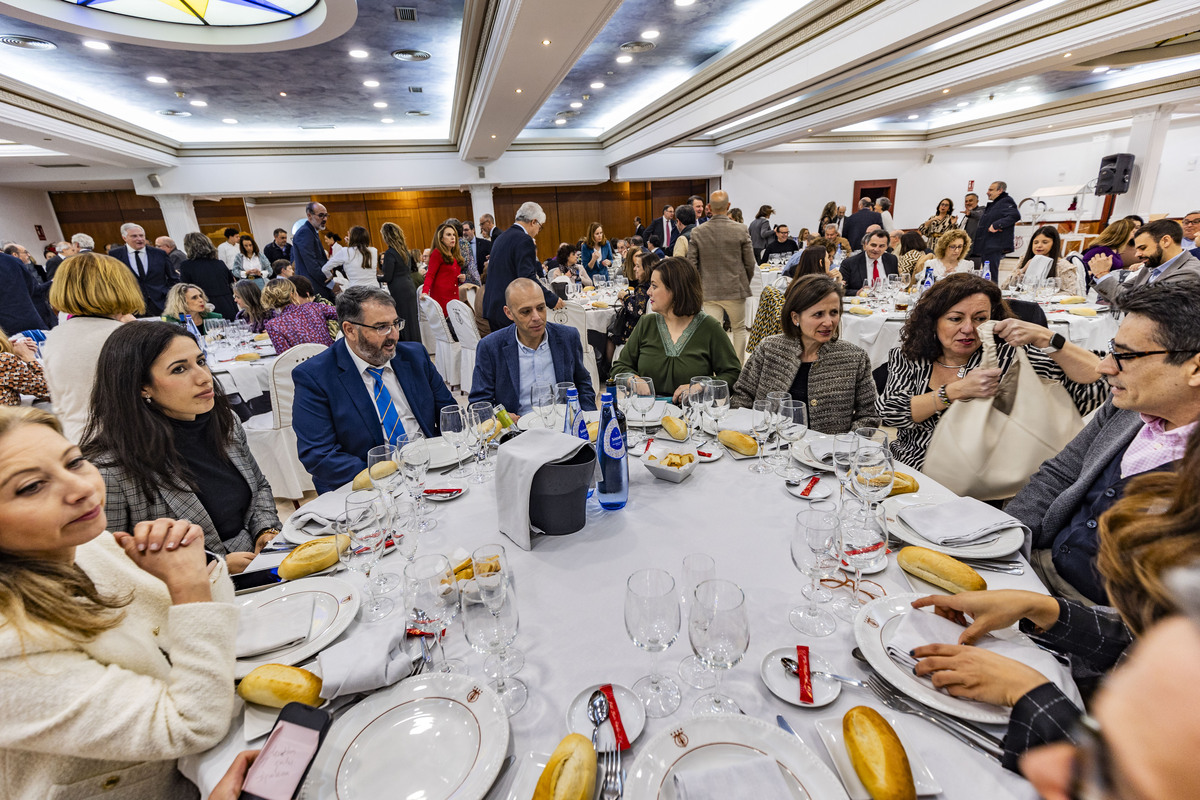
[(721, 252)]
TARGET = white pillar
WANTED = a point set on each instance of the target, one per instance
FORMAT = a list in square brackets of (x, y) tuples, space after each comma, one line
[(481, 203), (1146, 139), (179, 214)]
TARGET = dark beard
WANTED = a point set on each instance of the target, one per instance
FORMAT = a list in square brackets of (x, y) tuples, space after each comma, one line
[(1154, 260)]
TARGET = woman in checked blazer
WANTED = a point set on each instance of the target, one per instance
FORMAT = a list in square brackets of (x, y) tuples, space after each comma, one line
[(167, 444)]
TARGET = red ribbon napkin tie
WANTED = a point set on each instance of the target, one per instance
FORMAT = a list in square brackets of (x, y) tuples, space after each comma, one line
[(812, 482), (803, 673), (614, 716)]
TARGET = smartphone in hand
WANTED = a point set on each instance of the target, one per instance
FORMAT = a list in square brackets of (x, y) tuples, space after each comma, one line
[(280, 769)]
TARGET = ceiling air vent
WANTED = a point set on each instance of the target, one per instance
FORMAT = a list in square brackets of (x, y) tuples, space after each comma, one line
[(316, 127), (404, 14), (60, 166), (411, 55), (170, 112), (416, 90), (26, 42), (416, 113), (567, 114), (637, 47)]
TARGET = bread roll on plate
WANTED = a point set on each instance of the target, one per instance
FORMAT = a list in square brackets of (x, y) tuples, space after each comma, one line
[(903, 484), (940, 569), (276, 685), (313, 556), (739, 442), (877, 755), (571, 772), (675, 428)]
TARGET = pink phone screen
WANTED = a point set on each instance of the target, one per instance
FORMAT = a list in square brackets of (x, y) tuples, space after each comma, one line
[(276, 773)]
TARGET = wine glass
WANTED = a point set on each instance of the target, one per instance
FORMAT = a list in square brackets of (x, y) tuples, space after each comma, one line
[(761, 421), (384, 471), (481, 424), (777, 458), (652, 621), (815, 533), (541, 399), (434, 593), (697, 568), (366, 527), (641, 395), (412, 454), (863, 540), (717, 405), (453, 424), (404, 529), (694, 403), (876, 435), (873, 472), (719, 630), (490, 624), (845, 445), (792, 428)]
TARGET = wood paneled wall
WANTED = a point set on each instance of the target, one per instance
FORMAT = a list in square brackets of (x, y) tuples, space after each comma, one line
[(101, 214), (417, 213), (215, 216)]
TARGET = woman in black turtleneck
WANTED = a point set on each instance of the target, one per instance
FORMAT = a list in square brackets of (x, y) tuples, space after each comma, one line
[(163, 436)]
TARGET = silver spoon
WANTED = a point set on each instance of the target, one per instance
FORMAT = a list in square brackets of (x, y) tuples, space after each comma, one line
[(791, 666), (597, 712)]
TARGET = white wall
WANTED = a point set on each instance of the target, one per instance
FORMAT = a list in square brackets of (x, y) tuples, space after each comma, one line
[(20, 211), (1178, 190)]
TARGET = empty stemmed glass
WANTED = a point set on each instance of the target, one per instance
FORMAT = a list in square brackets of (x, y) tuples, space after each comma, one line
[(652, 621), (761, 421), (813, 539), (490, 623), (541, 399), (694, 403), (366, 526), (481, 426), (384, 472), (560, 402), (792, 428), (454, 430), (777, 458), (641, 395), (412, 454), (863, 541), (435, 601), (717, 402), (845, 445), (719, 630), (873, 472), (697, 568)]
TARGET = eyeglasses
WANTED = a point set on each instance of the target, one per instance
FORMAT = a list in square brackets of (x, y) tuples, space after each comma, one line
[(321, 216), (1119, 357), (382, 329), (1192, 221)]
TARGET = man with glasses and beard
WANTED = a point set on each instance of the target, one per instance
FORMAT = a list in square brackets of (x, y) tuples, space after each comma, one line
[(1163, 260), (368, 389)]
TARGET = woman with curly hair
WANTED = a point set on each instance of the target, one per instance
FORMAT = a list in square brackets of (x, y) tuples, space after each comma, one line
[(937, 361), (940, 222)]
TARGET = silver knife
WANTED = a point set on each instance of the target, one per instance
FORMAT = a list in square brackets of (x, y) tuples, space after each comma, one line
[(783, 723)]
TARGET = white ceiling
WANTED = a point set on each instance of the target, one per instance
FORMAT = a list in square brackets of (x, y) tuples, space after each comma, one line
[(727, 76)]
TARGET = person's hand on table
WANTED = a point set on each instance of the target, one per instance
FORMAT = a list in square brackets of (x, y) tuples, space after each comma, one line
[(981, 613), (978, 383), (237, 562), (1100, 265), (976, 674), (230, 786), (25, 350), (1019, 333)]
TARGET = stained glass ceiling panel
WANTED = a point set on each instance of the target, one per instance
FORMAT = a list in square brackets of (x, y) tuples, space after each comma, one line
[(218, 13)]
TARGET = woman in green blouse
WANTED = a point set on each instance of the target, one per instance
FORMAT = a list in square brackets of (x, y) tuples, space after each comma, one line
[(679, 341)]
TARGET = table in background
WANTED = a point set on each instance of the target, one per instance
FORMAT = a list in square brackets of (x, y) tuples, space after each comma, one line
[(250, 379)]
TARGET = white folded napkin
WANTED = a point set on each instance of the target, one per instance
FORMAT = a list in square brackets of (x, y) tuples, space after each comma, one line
[(373, 657), (738, 419), (963, 520), (275, 625), (519, 460), (822, 449), (317, 517), (921, 627), (753, 776)]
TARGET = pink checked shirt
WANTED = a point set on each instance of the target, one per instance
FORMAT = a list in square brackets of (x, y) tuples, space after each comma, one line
[(1154, 446), (299, 324)]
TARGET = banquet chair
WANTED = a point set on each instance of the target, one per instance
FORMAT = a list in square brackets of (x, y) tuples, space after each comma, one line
[(756, 288), (575, 315), (447, 357), (1028, 311), (462, 319), (427, 337), (270, 436)]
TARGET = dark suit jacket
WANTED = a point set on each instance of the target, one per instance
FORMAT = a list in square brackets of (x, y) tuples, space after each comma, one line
[(856, 226), (20, 297), (497, 377), (854, 270), (656, 227), (211, 275), (483, 248), (972, 221), (334, 416), (1001, 214), (160, 277), (514, 255), (274, 252), (52, 265), (308, 256)]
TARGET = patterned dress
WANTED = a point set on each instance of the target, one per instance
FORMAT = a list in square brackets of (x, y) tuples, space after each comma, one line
[(767, 320), (633, 308), (18, 377), (301, 324)]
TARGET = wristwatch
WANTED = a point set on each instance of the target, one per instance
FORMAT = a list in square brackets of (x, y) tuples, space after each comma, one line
[(1057, 341)]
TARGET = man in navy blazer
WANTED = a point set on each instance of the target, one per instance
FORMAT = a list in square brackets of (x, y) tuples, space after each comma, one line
[(334, 413), (508, 362), (151, 267), (515, 256), (308, 256), (858, 270), (855, 227), (994, 235)]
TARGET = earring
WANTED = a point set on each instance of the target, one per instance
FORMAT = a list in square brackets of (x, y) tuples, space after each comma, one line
[(148, 400)]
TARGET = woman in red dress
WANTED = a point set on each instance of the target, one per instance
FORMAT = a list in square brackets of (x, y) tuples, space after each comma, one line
[(445, 270)]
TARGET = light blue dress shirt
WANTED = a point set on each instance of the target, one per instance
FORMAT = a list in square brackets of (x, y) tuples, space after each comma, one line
[(536, 366)]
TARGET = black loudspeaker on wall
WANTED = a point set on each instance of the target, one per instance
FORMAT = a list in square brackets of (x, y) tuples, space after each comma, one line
[(1115, 172)]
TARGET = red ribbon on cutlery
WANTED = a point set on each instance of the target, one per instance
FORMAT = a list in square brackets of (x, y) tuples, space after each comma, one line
[(812, 482), (649, 442), (614, 716), (803, 673), (443, 491)]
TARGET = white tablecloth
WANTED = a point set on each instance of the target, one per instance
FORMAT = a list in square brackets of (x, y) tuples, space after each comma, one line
[(250, 379), (571, 592)]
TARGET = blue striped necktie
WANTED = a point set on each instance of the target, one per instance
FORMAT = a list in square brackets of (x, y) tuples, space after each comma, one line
[(392, 428)]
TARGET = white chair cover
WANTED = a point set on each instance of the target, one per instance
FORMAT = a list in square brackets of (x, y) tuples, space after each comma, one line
[(447, 353), (270, 436), (756, 288), (427, 337), (462, 319), (575, 315)]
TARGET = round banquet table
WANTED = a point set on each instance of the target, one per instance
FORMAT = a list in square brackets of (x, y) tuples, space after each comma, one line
[(570, 594), (250, 379)]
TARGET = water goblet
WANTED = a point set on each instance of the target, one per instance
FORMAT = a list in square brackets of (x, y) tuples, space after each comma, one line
[(435, 600), (845, 445), (641, 395), (777, 458), (453, 424), (541, 399), (366, 533), (792, 428), (652, 622), (697, 568), (813, 539), (384, 472), (412, 454), (719, 631), (490, 624), (717, 405), (482, 426), (863, 541), (761, 420), (693, 402)]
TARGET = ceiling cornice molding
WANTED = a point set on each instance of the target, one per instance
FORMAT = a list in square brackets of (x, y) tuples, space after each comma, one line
[(528, 145), (216, 150), (479, 17)]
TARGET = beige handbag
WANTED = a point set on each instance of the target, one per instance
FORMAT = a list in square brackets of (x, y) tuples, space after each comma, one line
[(988, 448)]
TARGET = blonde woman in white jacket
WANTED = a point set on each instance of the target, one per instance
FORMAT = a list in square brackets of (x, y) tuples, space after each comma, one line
[(116, 649)]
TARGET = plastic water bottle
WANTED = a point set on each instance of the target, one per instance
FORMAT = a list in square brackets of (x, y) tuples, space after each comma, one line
[(613, 487), (611, 388), (574, 423), (987, 270), (837, 257), (194, 331)]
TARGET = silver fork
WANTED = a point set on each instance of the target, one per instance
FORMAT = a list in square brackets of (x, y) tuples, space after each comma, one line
[(612, 775), (897, 703)]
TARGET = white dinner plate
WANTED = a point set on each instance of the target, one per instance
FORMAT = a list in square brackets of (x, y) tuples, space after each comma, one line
[(715, 739), (633, 715), (805, 456), (823, 489), (662, 408), (1010, 541), (441, 453), (786, 686), (529, 769), (335, 602), (873, 627), (533, 420), (374, 750), (830, 730)]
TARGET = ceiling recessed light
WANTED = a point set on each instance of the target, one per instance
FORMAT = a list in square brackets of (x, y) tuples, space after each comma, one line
[(810, 130), (519, 91), (1049, 126), (493, 136), (577, 104), (546, 42), (283, 94), (963, 104), (624, 59), (597, 85), (94, 45), (1111, 71), (199, 103), (359, 53), (1098, 70), (684, 2), (229, 121), (560, 122), (649, 34), (387, 120), (370, 84), (945, 91), (156, 79), (1024, 88), (381, 104), (913, 116), (1066, 55)]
